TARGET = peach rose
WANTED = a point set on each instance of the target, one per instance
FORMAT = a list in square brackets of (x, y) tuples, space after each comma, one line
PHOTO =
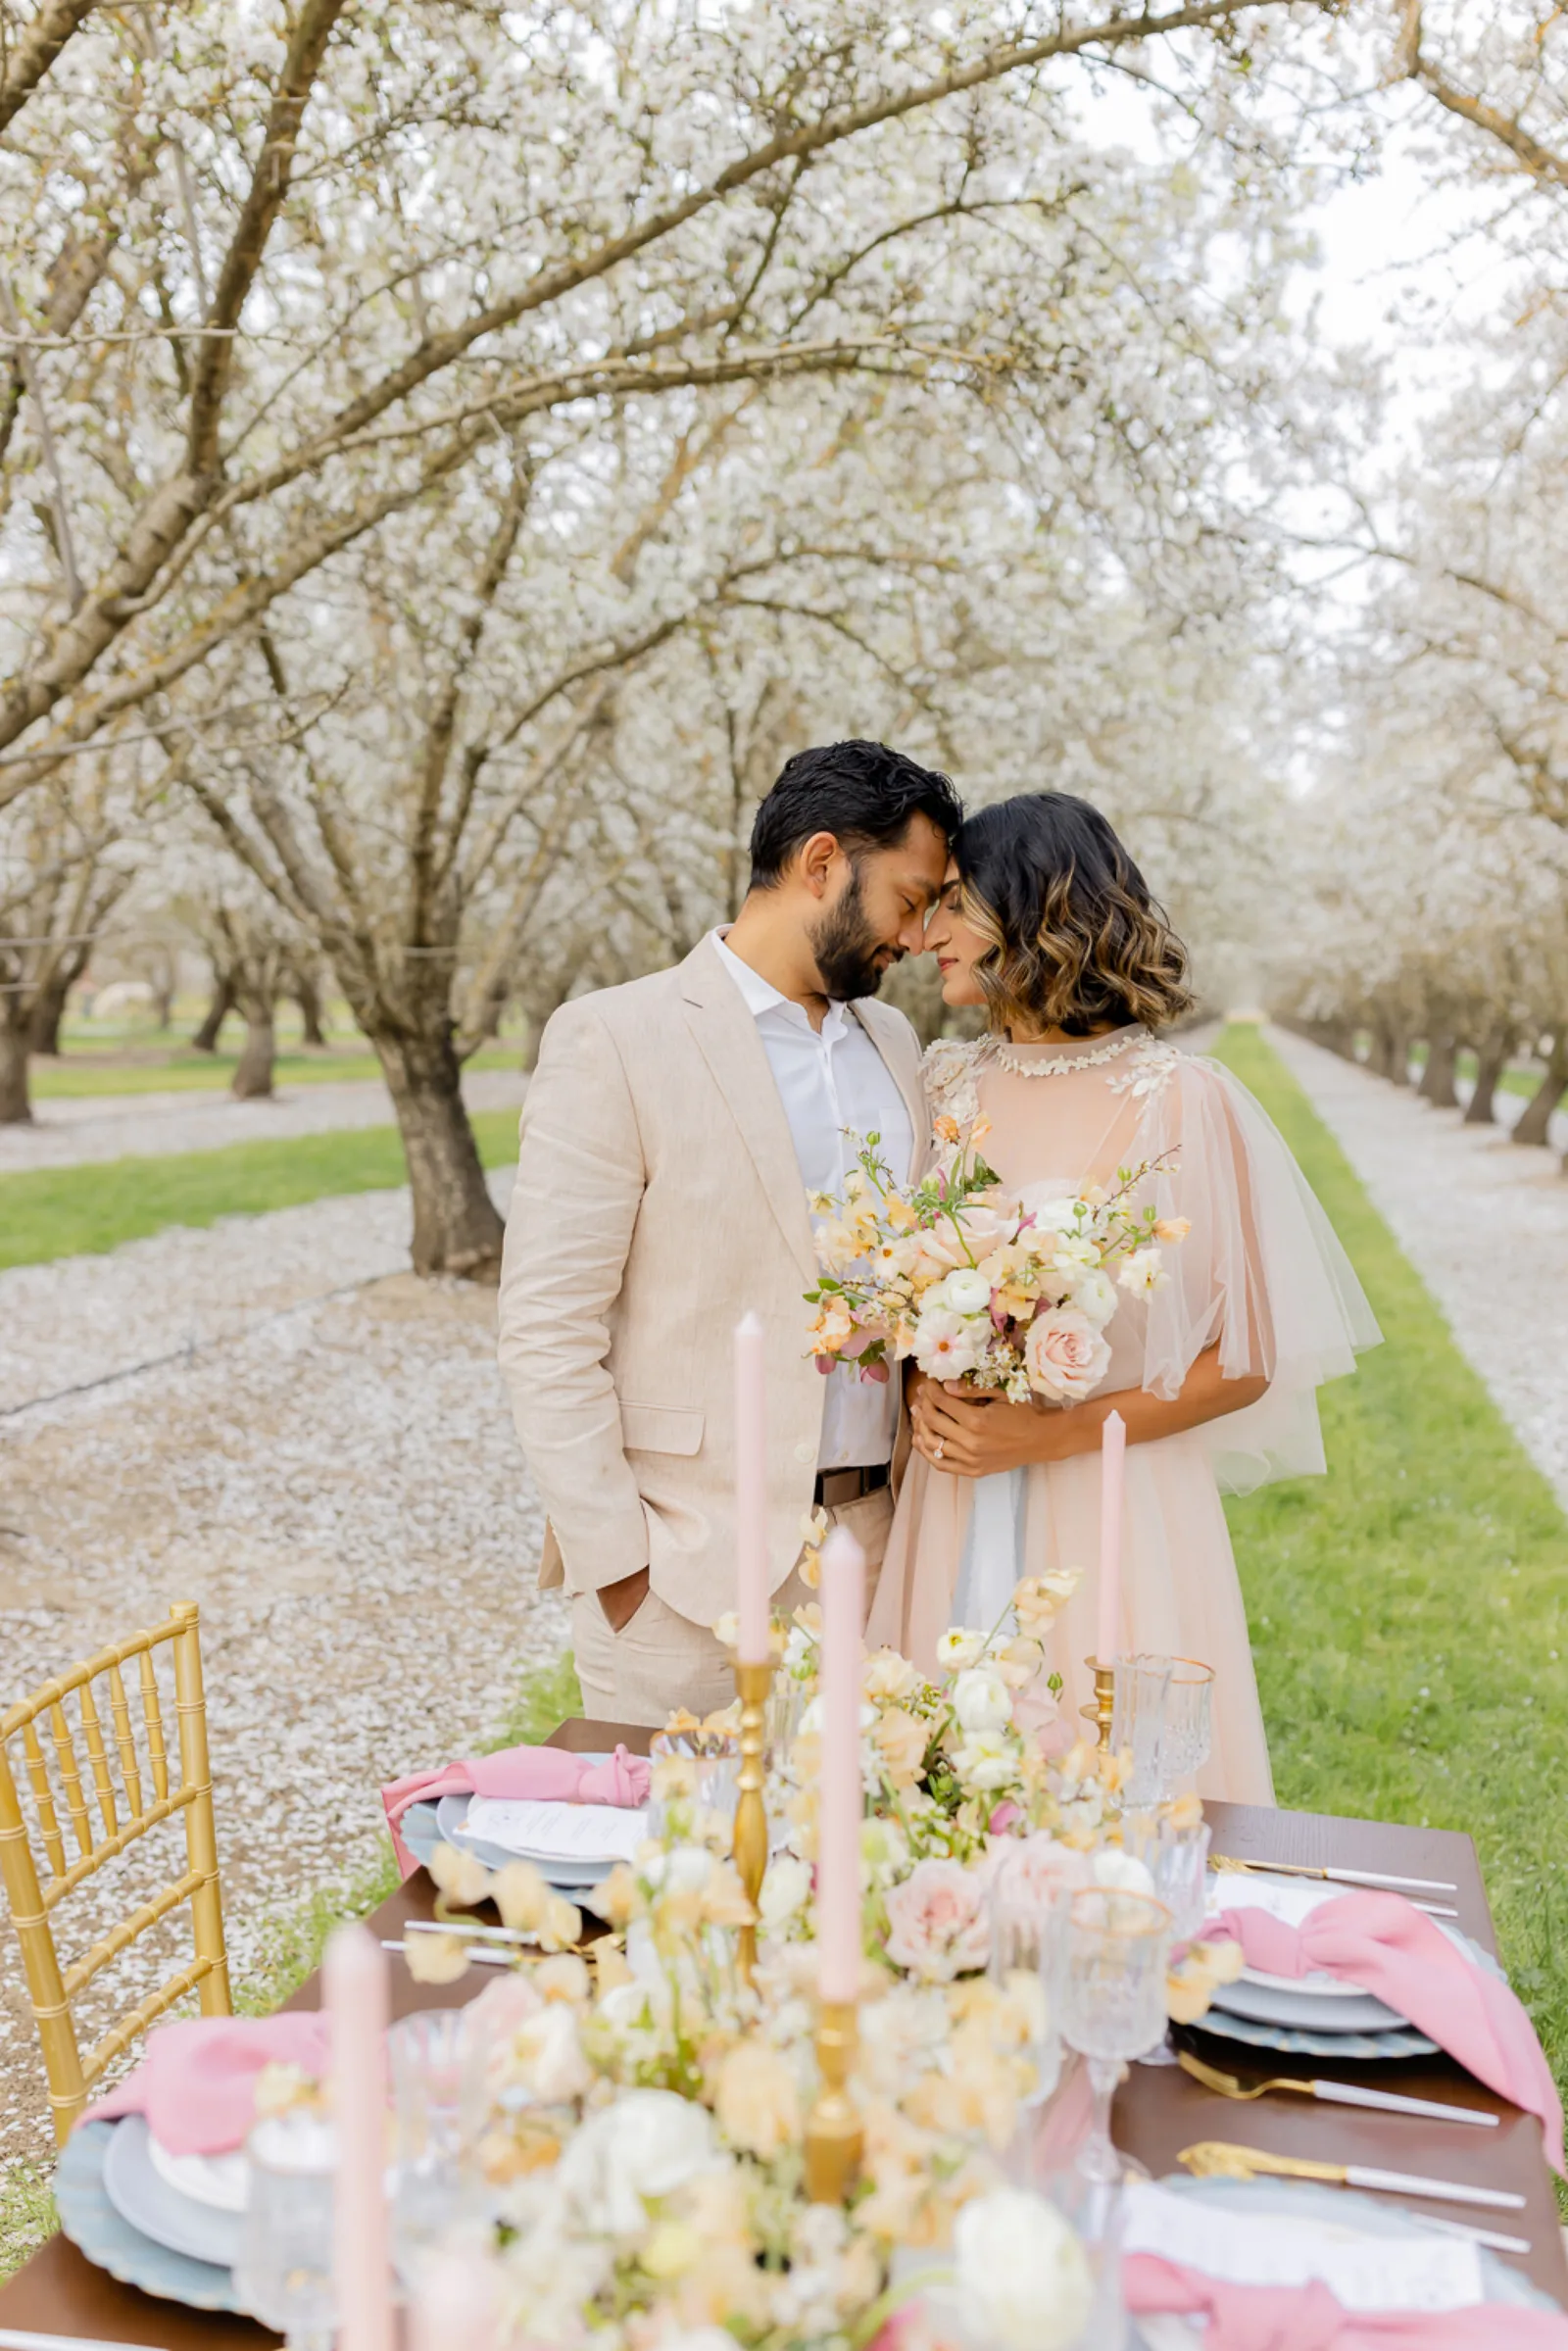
[(1065, 1354), (901, 1741), (756, 2102), (937, 1922)]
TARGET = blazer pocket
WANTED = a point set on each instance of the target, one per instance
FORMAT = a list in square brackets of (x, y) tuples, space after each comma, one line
[(661, 1429)]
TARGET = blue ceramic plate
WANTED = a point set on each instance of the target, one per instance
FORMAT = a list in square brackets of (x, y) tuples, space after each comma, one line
[(1342, 2208), (111, 2242), (1401, 2042)]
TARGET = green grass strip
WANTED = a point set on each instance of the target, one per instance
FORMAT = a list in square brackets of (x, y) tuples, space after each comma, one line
[(1409, 1611), (76, 1078), (52, 1213)]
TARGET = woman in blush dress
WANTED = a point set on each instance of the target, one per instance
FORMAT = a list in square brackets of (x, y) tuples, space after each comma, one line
[(1046, 923)]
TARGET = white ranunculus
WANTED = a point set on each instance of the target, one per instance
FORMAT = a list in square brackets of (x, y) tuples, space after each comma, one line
[(960, 1646), (1093, 1293), (550, 2055), (982, 1701), (785, 1888), (648, 2145), (1023, 2270), (1052, 1212), (1121, 1873), (965, 1291), (986, 1762)]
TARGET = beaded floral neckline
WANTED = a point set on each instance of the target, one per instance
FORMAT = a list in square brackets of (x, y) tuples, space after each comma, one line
[(1006, 1058)]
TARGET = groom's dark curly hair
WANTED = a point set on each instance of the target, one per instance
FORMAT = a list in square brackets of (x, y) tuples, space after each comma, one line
[(863, 794)]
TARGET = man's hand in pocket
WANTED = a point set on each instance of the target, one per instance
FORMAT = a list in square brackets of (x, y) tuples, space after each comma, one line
[(621, 1601)]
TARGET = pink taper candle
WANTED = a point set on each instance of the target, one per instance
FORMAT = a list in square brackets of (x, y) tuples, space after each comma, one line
[(841, 1802), (1113, 1466), (354, 1979), (751, 1490)]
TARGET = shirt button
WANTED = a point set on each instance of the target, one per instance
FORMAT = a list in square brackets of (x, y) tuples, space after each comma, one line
[(806, 1452)]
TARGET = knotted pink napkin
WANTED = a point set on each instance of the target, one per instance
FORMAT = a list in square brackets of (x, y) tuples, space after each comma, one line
[(1383, 1943), (550, 1775), (197, 2082), (1273, 2318)]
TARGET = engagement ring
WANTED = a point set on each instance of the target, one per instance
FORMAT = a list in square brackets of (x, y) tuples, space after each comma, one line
[(940, 1448)]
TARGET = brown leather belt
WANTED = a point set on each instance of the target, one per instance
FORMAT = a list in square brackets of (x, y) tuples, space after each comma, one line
[(836, 1487)]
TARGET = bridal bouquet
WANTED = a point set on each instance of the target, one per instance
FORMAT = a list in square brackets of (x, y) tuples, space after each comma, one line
[(1003, 1295)]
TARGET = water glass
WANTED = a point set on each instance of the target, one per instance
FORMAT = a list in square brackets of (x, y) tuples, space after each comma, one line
[(1180, 1863), (1138, 1724), (1189, 1722), (1113, 2007), (1029, 1922), (431, 2190), (284, 2273), (712, 1764)]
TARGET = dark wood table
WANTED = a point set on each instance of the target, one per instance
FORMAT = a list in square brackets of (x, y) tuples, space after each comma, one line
[(1158, 2110)]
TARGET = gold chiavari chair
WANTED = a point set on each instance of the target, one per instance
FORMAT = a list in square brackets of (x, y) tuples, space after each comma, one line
[(108, 1735)]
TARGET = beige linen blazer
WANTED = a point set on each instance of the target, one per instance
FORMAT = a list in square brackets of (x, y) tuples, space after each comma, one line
[(658, 1198)]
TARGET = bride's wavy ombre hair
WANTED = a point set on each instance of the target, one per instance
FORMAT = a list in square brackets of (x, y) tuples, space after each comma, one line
[(1075, 938)]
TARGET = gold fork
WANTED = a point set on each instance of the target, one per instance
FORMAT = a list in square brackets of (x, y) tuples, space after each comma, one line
[(1335, 2093)]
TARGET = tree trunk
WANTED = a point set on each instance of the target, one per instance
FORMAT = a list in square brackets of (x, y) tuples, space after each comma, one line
[(15, 1108), (456, 1228), (1387, 1048), (1436, 1079), (1491, 1061), (253, 1078), (217, 1011), (48, 1011), (1534, 1126), (163, 1003), (308, 996)]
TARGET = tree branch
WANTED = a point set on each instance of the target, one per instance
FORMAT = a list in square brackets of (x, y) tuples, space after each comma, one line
[(25, 65)]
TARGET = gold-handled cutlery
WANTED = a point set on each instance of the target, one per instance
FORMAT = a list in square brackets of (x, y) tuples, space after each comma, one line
[(1217, 2158), (1335, 2093), (1375, 1880)]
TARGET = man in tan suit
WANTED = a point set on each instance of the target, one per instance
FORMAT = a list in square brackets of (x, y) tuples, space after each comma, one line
[(671, 1131)]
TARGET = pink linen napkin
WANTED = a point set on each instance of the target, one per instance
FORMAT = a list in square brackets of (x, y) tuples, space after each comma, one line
[(1272, 2317), (548, 1775), (1383, 1943), (197, 2082)]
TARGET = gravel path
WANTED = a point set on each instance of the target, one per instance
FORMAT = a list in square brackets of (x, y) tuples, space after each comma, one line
[(328, 1467), (71, 1132), (1484, 1222)]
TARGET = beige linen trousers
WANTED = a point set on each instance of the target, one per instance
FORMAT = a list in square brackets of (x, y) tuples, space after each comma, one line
[(658, 1198)]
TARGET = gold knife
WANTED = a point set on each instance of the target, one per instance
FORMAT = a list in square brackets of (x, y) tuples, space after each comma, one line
[(1217, 2158)]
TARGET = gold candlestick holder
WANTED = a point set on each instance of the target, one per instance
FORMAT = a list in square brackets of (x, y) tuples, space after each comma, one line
[(1104, 1705), (834, 2136), (750, 1841)]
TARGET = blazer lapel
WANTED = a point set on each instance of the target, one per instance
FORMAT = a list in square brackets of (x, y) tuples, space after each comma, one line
[(726, 1036), (900, 1055)]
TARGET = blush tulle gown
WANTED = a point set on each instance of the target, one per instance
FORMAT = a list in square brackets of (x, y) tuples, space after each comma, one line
[(1261, 1274)]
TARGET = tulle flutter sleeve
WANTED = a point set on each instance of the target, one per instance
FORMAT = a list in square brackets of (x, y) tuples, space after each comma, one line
[(1260, 1274)]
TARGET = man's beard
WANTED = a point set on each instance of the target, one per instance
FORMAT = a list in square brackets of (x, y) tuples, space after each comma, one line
[(849, 956)]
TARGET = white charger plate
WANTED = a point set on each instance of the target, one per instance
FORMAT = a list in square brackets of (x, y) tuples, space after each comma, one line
[(95, 2226), (568, 1875), (148, 2203), (220, 2182), (1336, 2208)]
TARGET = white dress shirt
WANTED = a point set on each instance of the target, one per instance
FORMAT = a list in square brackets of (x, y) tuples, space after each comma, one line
[(829, 1081)]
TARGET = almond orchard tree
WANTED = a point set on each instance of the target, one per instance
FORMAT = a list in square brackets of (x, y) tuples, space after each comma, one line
[(389, 387)]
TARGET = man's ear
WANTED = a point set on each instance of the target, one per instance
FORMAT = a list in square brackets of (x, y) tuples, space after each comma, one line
[(816, 860)]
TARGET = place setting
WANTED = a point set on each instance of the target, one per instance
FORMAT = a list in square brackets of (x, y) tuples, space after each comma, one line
[(872, 1988)]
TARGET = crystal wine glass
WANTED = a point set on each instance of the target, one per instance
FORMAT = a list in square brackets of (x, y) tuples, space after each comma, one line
[(1029, 1920), (1138, 1724), (1177, 1857), (284, 2272), (1114, 2005), (1189, 1722), (430, 2192)]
